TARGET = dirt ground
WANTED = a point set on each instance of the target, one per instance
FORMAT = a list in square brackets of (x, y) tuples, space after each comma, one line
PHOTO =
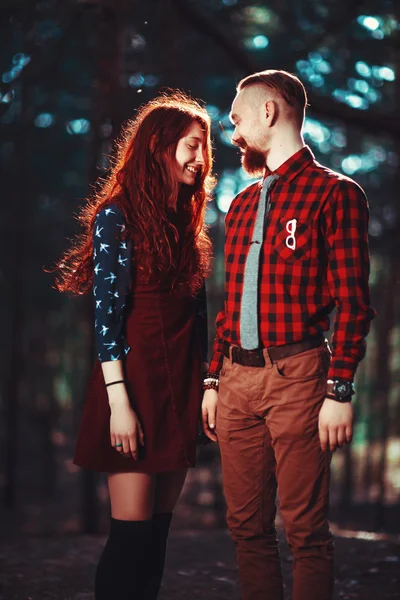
[(200, 564)]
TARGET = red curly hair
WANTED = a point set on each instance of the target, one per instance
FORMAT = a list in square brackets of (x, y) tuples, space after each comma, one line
[(143, 182)]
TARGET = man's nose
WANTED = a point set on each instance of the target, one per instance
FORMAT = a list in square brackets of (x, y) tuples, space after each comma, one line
[(235, 138)]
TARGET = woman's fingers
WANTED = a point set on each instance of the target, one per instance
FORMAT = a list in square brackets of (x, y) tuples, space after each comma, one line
[(136, 439), (116, 442), (126, 446), (127, 443), (140, 435), (133, 444), (118, 445)]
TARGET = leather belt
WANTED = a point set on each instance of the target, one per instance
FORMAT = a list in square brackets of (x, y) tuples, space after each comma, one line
[(256, 358)]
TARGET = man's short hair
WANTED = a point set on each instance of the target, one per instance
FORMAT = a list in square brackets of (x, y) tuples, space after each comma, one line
[(286, 84)]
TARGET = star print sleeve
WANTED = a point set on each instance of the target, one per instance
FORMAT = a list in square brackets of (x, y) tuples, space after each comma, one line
[(112, 259)]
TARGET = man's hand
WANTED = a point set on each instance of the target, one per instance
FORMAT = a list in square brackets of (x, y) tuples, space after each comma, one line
[(209, 413), (335, 424)]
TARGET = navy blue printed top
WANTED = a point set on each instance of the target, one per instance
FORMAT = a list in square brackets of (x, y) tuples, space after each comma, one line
[(112, 279)]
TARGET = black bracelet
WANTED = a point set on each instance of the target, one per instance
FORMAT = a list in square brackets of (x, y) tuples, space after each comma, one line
[(115, 382)]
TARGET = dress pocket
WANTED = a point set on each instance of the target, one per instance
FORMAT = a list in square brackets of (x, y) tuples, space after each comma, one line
[(293, 240)]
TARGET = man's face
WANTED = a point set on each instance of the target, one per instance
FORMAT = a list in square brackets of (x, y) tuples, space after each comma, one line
[(251, 132)]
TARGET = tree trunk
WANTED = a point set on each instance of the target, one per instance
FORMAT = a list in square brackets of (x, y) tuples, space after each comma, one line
[(106, 112), (15, 272)]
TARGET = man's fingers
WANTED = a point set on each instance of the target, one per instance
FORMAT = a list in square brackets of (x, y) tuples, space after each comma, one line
[(333, 438), (211, 417), (206, 422), (204, 418), (323, 438), (349, 434), (211, 435), (340, 436)]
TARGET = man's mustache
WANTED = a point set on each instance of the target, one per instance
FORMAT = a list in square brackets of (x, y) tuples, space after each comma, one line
[(241, 144)]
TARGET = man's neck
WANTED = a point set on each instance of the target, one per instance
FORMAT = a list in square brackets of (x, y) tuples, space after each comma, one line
[(281, 151)]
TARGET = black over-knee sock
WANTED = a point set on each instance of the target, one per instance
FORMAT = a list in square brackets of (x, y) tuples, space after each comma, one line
[(159, 538), (124, 561)]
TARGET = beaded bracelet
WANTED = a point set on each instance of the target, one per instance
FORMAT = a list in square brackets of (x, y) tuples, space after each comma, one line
[(211, 384)]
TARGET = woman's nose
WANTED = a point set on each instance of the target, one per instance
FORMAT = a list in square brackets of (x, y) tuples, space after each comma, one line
[(200, 156)]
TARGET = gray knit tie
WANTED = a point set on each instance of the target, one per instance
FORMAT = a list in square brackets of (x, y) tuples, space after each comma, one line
[(249, 337)]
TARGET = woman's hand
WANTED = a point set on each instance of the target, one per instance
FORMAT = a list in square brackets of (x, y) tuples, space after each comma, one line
[(125, 427)]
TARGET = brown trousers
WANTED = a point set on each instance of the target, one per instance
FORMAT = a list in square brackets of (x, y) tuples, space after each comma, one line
[(267, 427)]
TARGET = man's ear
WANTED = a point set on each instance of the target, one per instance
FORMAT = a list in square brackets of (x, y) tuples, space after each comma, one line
[(271, 112)]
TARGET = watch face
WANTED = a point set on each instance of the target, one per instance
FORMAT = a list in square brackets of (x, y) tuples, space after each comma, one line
[(343, 389)]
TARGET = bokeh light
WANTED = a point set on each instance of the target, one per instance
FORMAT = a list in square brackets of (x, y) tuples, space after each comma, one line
[(78, 126)]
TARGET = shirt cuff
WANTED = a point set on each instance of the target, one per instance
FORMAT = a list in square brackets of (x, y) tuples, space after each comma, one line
[(341, 369), (216, 363)]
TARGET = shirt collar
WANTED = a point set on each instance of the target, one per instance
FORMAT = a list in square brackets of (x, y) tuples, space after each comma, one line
[(293, 166)]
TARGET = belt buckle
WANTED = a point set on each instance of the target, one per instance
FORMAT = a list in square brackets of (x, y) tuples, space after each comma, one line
[(257, 358)]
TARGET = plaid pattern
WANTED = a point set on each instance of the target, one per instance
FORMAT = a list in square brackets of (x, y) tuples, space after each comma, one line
[(314, 258)]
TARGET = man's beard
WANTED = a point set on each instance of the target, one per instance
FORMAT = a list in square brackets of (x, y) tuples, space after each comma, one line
[(253, 162)]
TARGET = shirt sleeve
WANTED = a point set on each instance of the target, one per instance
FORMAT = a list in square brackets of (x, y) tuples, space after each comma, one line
[(222, 330), (201, 316), (218, 346), (112, 258), (346, 219)]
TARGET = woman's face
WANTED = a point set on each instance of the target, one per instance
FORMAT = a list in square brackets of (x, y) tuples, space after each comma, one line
[(190, 154)]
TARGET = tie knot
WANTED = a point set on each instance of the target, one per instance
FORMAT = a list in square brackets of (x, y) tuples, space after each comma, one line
[(269, 181)]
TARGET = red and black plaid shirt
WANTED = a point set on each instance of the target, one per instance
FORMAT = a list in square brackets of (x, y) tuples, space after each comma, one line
[(302, 281)]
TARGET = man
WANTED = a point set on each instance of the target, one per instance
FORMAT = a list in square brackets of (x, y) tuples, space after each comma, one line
[(276, 397)]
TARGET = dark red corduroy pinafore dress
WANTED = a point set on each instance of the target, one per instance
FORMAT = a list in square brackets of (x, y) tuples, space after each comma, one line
[(163, 370)]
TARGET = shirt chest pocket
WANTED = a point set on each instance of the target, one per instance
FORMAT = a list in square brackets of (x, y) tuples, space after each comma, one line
[(293, 240)]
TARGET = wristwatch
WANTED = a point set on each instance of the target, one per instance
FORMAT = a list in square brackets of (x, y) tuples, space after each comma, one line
[(340, 390)]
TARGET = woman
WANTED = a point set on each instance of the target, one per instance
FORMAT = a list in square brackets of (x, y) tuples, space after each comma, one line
[(146, 252)]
